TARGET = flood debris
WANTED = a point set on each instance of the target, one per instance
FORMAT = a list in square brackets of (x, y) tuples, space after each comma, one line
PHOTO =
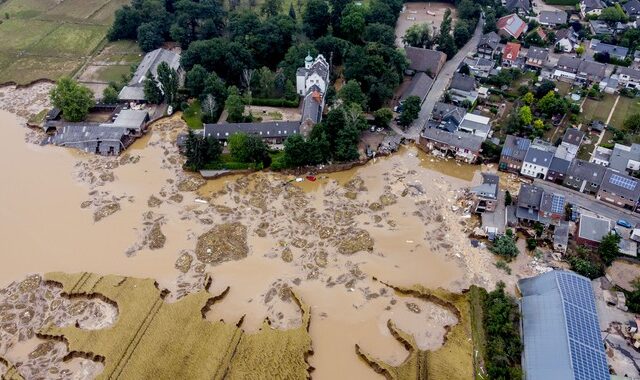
[(106, 210), (224, 242), (154, 201), (355, 240)]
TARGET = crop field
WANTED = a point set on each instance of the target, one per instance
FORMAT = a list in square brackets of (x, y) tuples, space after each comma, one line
[(46, 39)]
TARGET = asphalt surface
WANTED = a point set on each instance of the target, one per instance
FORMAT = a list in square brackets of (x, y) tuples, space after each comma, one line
[(442, 81), (589, 202)]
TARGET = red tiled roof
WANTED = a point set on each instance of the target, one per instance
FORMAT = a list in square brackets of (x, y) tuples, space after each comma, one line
[(511, 51)]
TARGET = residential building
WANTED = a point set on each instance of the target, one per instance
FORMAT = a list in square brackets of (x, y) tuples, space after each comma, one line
[(511, 54), (590, 72), (312, 107), (552, 208), (600, 28), (614, 51), (558, 169), (591, 230), (632, 9), (486, 194), (476, 125), (513, 152), (446, 116), (584, 176), (567, 68), (148, 68), (463, 88), (425, 60), (602, 156), (537, 57), (619, 189), (625, 159), (511, 26), (273, 132), (314, 73), (566, 40), (420, 86), (609, 84), (480, 67), (528, 205), (489, 46), (591, 8), (537, 160), (552, 18), (521, 7), (561, 237), (628, 77), (560, 328), (462, 146), (572, 137)]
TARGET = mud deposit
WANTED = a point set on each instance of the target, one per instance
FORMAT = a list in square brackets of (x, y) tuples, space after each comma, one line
[(329, 242)]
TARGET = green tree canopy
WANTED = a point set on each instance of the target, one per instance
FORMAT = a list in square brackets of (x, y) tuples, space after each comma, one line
[(152, 92), (505, 246), (247, 148), (150, 36), (234, 106), (316, 18), (169, 82), (410, 110), (382, 117), (195, 80), (201, 151), (351, 93), (72, 99), (352, 22), (419, 35), (613, 14), (296, 151), (608, 248), (526, 117), (632, 123), (380, 33), (110, 95)]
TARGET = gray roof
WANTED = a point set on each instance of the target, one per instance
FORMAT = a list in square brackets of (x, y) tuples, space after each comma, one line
[(632, 73), (265, 130), (561, 234), (530, 196), (462, 82), (573, 136), (592, 4), (420, 85), (621, 185), (568, 63), (593, 228), (613, 50), (146, 69), (600, 27), (130, 119), (621, 154), (553, 203), (584, 170), (553, 17), (457, 139), (538, 157), (538, 53), (446, 111), (320, 66), (491, 39), (515, 147), (489, 186), (312, 107), (632, 7), (563, 33), (84, 136), (559, 165), (592, 68), (524, 5), (560, 328), (301, 71), (474, 125), (425, 60)]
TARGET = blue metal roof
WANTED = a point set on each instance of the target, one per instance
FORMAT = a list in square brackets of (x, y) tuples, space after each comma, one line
[(560, 327)]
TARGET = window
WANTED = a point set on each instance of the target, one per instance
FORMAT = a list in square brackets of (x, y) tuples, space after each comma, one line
[(226, 133)]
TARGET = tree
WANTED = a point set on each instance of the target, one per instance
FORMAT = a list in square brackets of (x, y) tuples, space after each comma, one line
[(197, 19), (234, 106), (381, 33), (526, 117), (419, 35), (149, 36), (551, 104), (381, 12), (579, 50), (446, 43), (352, 22), (195, 80), (292, 12), (507, 198), (382, 117), (169, 82), (608, 248), (210, 109), (489, 22), (351, 93), (410, 110), (110, 95), (316, 18), (461, 33), (505, 246), (528, 98), (633, 297), (126, 23), (613, 14), (271, 8), (201, 151), (247, 148), (467, 10), (585, 267), (296, 151), (538, 126), (72, 99), (544, 88), (152, 92), (632, 123)]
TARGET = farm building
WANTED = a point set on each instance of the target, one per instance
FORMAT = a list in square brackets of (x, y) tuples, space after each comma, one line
[(273, 132), (148, 68)]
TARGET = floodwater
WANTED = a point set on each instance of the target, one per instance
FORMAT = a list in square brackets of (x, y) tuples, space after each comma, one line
[(44, 229)]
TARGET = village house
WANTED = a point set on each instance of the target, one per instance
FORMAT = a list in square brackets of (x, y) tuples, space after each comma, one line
[(584, 176), (511, 54), (273, 132), (561, 237), (601, 156), (591, 8), (628, 77), (619, 189), (572, 137), (521, 7), (590, 72), (463, 88), (552, 18), (425, 60), (476, 125), (625, 159), (558, 169), (148, 68), (591, 230), (480, 67), (538, 159), (486, 194), (552, 208), (462, 146), (489, 46), (511, 26), (600, 28), (632, 9), (566, 40), (537, 57), (528, 205), (312, 107), (513, 152), (614, 51), (446, 116), (314, 76), (567, 68)]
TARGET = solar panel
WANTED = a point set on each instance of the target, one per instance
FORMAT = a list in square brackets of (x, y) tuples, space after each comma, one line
[(557, 204), (522, 144), (507, 151), (624, 182)]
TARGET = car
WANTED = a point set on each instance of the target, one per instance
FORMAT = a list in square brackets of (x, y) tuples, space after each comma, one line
[(624, 223)]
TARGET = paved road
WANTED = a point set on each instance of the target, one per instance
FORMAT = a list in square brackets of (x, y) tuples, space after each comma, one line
[(442, 81), (589, 202)]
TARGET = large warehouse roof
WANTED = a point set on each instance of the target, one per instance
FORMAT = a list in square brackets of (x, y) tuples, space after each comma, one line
[(560, 328)]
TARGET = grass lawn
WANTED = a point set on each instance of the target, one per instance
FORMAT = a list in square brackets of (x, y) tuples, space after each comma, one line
[(112, 73), (597, 109), (75, 10), (564, 88), (31, 68), (193, 115), (71, 39), (15, 35), (626, 106)]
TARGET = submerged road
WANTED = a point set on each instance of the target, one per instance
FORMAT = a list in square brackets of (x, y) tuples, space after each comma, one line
[(442, 81)]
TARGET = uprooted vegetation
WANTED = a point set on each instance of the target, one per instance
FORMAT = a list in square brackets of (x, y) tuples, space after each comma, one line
[(154, 339), (454, 360)]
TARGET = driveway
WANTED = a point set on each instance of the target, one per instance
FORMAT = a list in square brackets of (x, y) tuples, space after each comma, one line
[(441, 83)]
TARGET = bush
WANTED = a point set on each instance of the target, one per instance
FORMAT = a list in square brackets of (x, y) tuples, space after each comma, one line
[(585, 267), (274, 102), (501, 264), (532, 244), (505, 246)]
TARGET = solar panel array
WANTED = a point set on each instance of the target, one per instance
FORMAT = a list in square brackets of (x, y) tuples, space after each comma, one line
[(585, 343), (557, 204), (523, 144), (624, 182)]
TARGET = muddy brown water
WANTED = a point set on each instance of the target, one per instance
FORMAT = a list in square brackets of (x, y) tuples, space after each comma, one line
[(44, 229)]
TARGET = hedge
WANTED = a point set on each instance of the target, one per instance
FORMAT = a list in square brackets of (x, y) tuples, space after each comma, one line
[(561, 2), (274, 102)]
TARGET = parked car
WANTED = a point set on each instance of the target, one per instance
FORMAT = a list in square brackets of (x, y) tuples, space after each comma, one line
[(624, 223)]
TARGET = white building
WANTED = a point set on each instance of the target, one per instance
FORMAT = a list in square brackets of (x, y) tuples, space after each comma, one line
[(537, 161), (476, 125), (314, 73)]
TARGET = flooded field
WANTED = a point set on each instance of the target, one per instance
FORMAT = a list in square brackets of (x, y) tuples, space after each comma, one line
[(336, 242)]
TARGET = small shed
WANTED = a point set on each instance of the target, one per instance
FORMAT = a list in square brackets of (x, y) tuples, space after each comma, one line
[(561, 237)]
